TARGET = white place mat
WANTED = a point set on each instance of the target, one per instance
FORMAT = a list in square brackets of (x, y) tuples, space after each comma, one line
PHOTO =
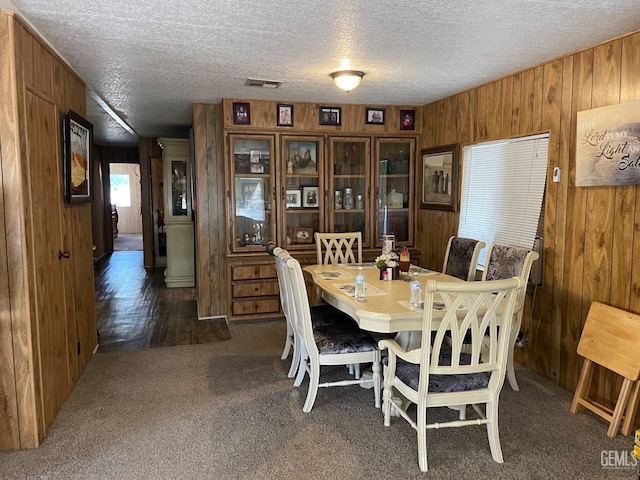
[(333, 274), (349, 289), (436, 305), (406, 304), (414, 268), (355, 266), (421, 271)]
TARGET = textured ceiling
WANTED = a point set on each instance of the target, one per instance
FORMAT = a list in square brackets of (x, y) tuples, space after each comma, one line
[(151, 60)]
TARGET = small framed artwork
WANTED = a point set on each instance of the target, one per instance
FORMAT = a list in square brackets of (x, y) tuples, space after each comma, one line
[(302, 157), (330, 116), (78, 169), (310, 197), (250, 193), (254, 156), (285, 115), (302, 235), (257, 168), (439, 178), (293, 198), (241, 114), (407, 119), (375, 116)]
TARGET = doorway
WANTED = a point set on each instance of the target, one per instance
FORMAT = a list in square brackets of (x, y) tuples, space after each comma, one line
[(126, 206)]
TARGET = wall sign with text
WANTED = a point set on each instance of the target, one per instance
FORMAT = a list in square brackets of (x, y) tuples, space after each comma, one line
[(608, 145)]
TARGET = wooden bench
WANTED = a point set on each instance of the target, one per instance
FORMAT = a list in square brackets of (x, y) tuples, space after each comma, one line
[(610, 338)]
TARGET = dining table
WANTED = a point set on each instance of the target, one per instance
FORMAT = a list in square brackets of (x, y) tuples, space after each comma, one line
[(385, 308)]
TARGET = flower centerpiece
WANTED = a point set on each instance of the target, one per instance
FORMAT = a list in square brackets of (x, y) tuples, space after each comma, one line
[(387, 263)]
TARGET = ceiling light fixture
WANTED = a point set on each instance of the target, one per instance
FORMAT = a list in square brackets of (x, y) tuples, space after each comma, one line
[(347, 80)]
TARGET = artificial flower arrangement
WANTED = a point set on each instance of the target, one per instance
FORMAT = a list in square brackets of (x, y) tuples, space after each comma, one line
[(387, 260)]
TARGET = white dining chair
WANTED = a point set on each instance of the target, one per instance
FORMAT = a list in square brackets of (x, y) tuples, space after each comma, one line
[(321, 316), (505, 261), (328, 345), (461, 258), (289, 345), (334, 248), (441, 373)]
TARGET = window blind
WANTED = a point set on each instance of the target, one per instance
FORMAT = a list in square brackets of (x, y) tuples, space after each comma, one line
[(503, 185)]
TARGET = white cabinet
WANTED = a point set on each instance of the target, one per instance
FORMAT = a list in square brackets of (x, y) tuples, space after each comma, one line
[(178, 218)]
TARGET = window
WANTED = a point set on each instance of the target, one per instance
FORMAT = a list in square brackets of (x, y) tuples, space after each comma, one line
[(503, 185), (120, 190)]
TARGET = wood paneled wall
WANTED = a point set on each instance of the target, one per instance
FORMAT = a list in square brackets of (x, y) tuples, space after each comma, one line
[(591, 234), (209, 208), (47, 331), (148, 148), (98, 233), (9, 427)]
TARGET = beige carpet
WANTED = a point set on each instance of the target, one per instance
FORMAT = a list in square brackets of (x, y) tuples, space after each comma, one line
[(227, 411)]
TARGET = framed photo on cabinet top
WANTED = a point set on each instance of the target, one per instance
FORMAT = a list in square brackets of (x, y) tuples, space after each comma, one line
[(330, 116), (78, 169), (407, 119), (285, 115), (439, 178), (375, 116), (241, 114)]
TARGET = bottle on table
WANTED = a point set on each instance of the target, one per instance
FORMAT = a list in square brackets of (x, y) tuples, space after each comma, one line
[(416, 291), (405, 262), (360, 289)]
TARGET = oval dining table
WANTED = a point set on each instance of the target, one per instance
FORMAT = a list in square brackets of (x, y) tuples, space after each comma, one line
[(385, 308)]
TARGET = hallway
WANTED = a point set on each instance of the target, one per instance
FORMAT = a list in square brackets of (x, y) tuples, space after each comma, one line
[(128, 242), (134, 309)]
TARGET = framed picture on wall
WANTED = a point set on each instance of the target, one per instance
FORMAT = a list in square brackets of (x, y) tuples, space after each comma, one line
[(78, 171), (241, 114), (439, 178), (407, 119), (375, 116), (330, 116), (285, 115)]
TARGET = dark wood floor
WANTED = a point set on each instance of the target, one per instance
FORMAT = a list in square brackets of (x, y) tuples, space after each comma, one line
[(134, 309)]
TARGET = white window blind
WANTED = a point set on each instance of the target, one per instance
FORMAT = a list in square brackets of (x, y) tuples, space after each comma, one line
[(503, 185)]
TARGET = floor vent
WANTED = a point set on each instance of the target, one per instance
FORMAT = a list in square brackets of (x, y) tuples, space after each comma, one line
[(254, 82)]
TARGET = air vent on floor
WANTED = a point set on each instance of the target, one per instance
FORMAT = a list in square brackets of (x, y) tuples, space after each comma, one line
[(254, 82)]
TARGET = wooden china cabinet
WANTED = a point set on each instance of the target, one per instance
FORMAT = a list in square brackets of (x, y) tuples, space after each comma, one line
[(284, 186)]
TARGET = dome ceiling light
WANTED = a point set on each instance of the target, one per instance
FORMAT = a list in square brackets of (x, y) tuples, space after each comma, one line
[(347, 80)]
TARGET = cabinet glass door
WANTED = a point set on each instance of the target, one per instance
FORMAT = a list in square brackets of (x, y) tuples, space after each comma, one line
[(178, 188), (302, 190), (395, 189), (349, 189), (252, 210)]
